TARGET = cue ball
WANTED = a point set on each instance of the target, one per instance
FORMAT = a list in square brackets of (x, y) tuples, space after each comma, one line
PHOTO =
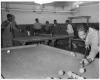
[(8, 51), (73, 54), (82, 70), (60, 72)]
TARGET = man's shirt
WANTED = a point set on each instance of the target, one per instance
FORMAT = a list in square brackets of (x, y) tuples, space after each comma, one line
[(37, 26), (92, 39), (70, 29), (55, 29)]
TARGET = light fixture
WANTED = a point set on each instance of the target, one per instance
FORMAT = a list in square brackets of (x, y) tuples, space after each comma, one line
[(42, 1)]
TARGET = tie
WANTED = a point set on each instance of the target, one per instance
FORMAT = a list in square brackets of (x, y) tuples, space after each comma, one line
[(10, 28)]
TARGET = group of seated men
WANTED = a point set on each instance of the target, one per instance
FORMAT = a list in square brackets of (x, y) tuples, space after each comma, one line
[(50, 28)]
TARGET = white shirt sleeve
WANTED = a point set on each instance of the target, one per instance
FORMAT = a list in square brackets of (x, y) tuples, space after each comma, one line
[(93, 39), (69, 29)]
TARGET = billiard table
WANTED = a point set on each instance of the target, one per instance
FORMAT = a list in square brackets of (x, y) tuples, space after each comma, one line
[(41, 61), (41, 37)]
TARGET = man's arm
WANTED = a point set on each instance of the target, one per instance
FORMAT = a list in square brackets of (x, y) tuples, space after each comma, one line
[(4, 24), (17, 26), (34, 26), (94, 46)]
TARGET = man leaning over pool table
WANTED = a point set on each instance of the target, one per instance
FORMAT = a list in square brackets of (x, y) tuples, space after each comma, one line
[(91, 38)]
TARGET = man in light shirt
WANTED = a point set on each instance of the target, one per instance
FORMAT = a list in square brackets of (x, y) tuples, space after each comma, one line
[(91, 38), (37, 26), (69, 30)]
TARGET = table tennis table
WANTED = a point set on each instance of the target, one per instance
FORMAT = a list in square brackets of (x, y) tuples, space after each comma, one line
[(41, 37)]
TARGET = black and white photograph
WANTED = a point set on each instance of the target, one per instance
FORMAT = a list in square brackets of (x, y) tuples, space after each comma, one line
[(50, 39)]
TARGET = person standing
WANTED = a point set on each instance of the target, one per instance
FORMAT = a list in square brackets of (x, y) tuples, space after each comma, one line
[(55, 30), (70, 31), (47, 27), (7, 29)]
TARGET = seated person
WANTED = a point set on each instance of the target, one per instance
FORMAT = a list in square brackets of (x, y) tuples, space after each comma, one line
[(55, 29), (69, 30), (47, 27), (28, 31), (91, 38), (37, 26)]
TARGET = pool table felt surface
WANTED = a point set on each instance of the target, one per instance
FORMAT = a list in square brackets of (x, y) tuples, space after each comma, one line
[(42, 61)]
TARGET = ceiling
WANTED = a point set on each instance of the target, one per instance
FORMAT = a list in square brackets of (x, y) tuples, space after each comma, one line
[(62, 5)]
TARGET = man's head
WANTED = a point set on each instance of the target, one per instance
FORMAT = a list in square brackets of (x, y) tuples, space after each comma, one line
[(67, 21), (82, 31), (9, 17), (55, 21), (37, 20), (47, 22), (28, 28)]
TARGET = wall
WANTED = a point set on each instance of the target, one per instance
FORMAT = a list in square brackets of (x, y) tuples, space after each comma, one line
[(88, 10), (29, 17)]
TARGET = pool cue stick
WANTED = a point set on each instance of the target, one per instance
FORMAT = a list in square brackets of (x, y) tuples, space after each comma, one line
[(86, 51), (2, 76)]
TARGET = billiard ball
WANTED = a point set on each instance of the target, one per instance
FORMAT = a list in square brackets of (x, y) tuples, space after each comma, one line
[(73, 54), (60, 72), (82, 70), (76, 76), (69, 73), (8, 51), (81, 78), (82, 66)]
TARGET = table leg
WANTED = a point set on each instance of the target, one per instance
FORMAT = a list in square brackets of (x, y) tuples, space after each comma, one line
[(46, 42), (53, 42), (70, 44)]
